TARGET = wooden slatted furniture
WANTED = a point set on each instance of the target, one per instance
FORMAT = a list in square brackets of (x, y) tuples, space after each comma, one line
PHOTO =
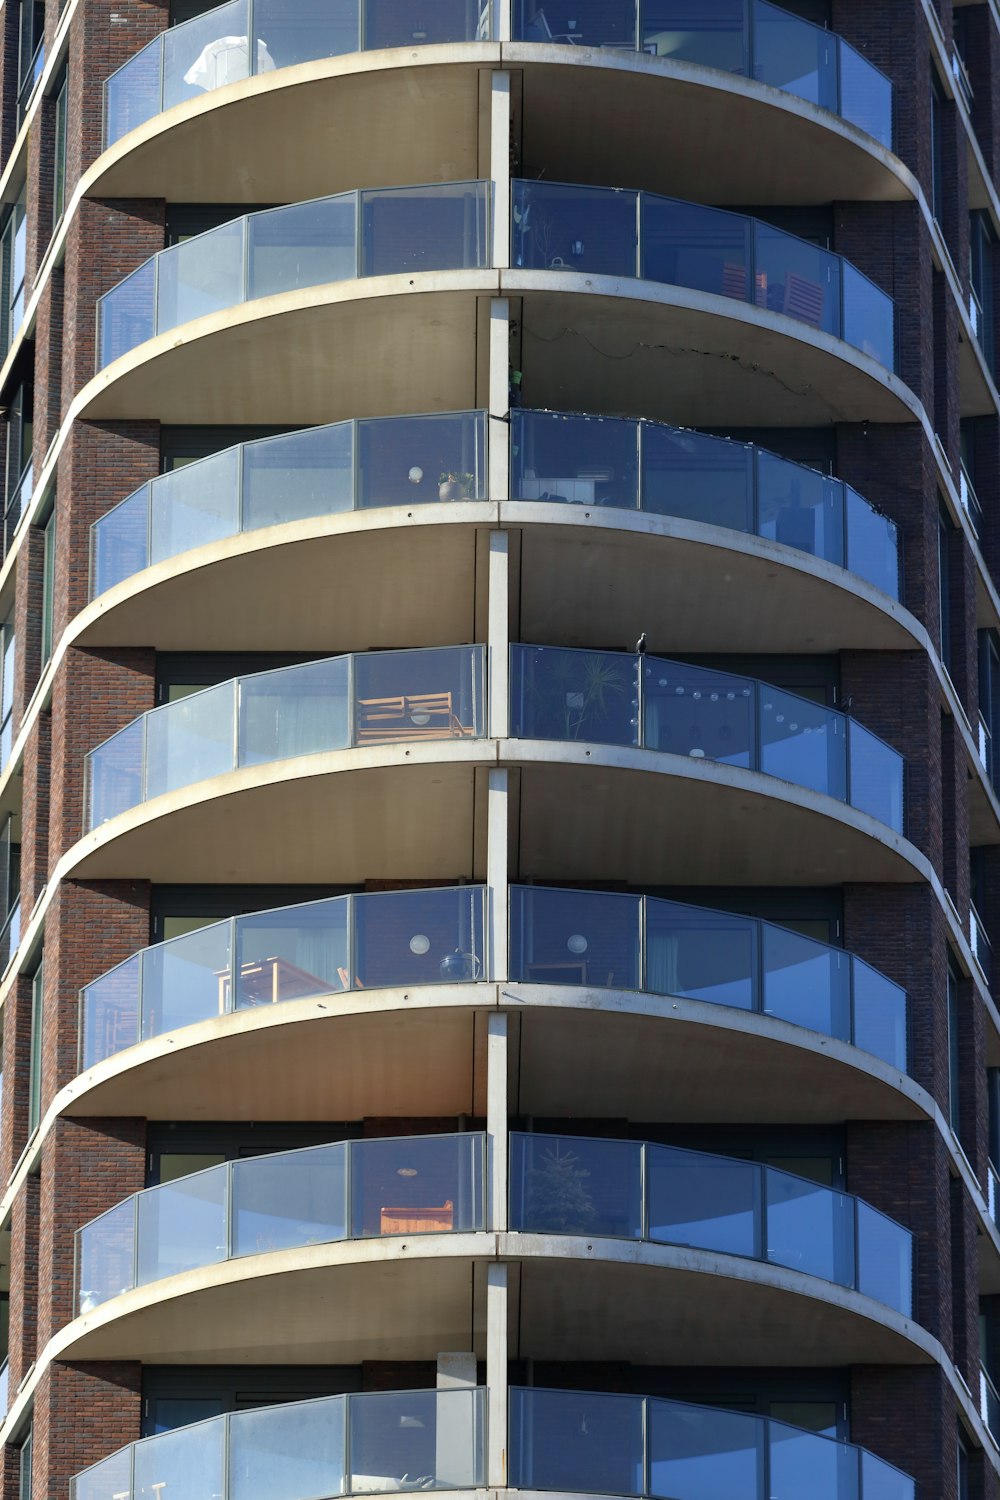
[(268, 980), (418, 1219), (408, 717)]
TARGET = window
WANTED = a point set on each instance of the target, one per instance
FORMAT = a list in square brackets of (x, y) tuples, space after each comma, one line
[(48, 583), (944, 586), (19, 469), (31, 51), (962, 1486), (981, 242), (59, 150), (35, 1049), (954, 1071), (13, 239), (937, 149), (8, 660), (24, 1469)]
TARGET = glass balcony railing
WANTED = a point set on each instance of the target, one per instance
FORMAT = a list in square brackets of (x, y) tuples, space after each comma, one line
[(615, 698), (618, 232), (970, 500), (348, 1190), (370, 1443), (374, 232), (612, 462), (634, 1190), (617, 941), (213, 49), (17, 505), (982, 949), (385, 697), (10, 935), (989, 1404), (5, 1387), (748, 37), (629, 465), (993, 1191), (323, 471), (374, 941), (582, 1441)]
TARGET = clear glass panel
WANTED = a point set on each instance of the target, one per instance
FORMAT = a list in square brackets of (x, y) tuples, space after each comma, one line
[(697, 478), (414, 460), (869, 317), (186, 980), (105, 1252), (109, 1017), (438, 228), (705, 249), (574, 937), (294, 711), (303, 474), (194, 505), (305, 30), (416, 1185), (109, 1480), (793, 55), (190, 1462), (415, 1440), (290, 953), (573, 1185), (388, 24), (306, 244), (803, 742), (126, 316), (706, 1201), (879, 1015), (200, 276), (872, 545), (132, 95), (419, 937), (557, 227), (865, 95), (579, 23), (119, 543), (885, 1259), (182, 1224), (809, 1228), (713, 33), (189, 740), (703, 715), (876, 777), (292, 1452), (802, 1463), (206, 53), (404, 696), (291, 1199), (796, 278), (573, 695), (806, 983), (800, 508), (697, 1454), (576, 460), (880, 1481), (701, 955), (575, 1441), (114, 774)]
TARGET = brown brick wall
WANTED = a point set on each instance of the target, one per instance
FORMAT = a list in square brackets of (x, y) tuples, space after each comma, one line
[(82, 1413)]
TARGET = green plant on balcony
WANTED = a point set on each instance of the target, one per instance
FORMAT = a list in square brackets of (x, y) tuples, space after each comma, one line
[(582, 690), (558, 1200), (455, 486)]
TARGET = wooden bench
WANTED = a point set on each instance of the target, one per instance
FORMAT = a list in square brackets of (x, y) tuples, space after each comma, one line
[(408, 717)]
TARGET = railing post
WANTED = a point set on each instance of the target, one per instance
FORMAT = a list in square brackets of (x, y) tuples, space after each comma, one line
[(496, 1374), (234, 963)]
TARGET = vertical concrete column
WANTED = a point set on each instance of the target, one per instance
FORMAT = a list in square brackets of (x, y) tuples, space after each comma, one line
[(502, 12), (500, 166), (499, 400), (496, 1374), (497, 1124), (498, 631), (497, 868)]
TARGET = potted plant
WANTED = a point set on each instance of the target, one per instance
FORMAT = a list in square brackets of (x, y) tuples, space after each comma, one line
[(453, 486)]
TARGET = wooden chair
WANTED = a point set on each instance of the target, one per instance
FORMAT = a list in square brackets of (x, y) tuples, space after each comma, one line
[(409, 717)]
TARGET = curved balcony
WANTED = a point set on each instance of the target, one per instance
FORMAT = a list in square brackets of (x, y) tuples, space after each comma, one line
[(375, 232), (598, 463), (582, 1441), (622, 233), (633, 1190), (212, 50), (377, 941), (351, 1190), (557, 937), (392, 697), (750, 38), (646, 702), (361, 1444)]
